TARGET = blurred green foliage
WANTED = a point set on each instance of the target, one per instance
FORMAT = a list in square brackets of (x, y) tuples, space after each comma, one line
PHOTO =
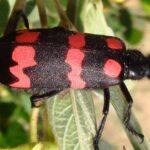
[(14, 105)]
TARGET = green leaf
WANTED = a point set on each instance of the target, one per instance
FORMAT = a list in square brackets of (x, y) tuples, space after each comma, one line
[(93, 18), (11, 139), (4, 12), (146, 6), (73, 120), (87, 16), (6, 110), (134, 36), (29, 7), (36, 146)]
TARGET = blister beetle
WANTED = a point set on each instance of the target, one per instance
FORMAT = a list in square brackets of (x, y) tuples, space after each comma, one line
[(52, 60)]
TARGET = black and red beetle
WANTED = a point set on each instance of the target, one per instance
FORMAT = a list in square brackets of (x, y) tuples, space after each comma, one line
[(48, 61)]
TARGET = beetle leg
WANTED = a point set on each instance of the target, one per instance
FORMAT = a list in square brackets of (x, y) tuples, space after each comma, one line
[(38, 98), (102, 124), (25, 20), (128, 112)]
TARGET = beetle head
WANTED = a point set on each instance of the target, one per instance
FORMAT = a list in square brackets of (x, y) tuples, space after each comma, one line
[(136, 65)]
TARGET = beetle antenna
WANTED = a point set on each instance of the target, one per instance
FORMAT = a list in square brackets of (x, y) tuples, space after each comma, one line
[(25, 19)]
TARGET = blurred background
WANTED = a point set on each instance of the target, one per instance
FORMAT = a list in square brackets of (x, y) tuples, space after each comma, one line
[(130, 20)]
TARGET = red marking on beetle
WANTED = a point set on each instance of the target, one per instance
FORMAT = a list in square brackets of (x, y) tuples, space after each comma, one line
[(74, 58), (27, 37), (77, 40), (114, 43), (24, 56), (112, 68)]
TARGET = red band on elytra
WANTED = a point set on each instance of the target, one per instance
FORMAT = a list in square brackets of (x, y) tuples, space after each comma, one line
[(114, 43), (24, 57), (77, 40), (27, 37), (112, 68), (74, 58)]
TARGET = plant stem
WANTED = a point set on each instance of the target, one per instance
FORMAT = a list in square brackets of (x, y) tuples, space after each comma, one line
[(33, 125)]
